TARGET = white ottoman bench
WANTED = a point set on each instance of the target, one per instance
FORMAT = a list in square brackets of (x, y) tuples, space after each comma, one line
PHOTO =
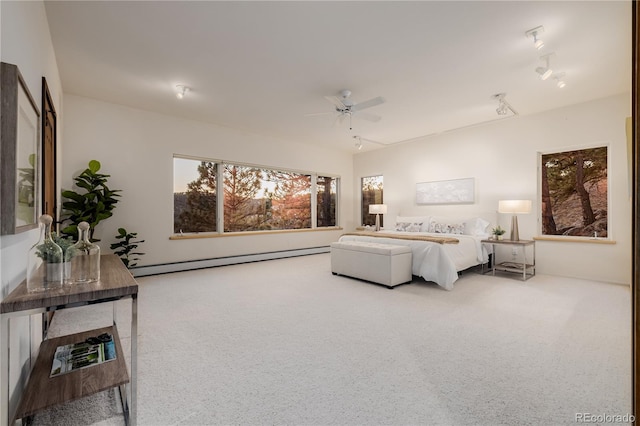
[(385, 264)]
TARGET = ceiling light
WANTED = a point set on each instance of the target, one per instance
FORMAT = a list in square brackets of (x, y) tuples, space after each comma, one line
[(546, 71), (534, 33), (358, 142), (182, 90), (503, 106), (558, 77)]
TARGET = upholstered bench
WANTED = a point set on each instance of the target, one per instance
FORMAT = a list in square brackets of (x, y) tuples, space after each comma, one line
[(385, 264)]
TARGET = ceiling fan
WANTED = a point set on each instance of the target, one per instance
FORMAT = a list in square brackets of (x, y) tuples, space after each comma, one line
[(345, 107)]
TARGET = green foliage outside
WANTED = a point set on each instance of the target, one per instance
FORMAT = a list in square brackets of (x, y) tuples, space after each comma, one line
[(572, 183), (254, 199)]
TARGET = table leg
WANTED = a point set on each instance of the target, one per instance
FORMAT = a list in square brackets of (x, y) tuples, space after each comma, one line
[(134, 359), (5, 417)]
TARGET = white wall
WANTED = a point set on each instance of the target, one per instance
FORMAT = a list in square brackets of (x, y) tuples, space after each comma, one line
[(136, 148), (25, 42), (503, 159)]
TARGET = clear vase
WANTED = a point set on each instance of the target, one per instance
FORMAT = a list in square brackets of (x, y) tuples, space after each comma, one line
[(83, 258), (44, 266)]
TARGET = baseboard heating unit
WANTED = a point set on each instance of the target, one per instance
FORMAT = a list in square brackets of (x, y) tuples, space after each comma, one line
[(167, 268)]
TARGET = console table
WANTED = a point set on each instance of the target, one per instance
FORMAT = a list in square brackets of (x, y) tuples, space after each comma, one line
[(523, 267), (41, 391)]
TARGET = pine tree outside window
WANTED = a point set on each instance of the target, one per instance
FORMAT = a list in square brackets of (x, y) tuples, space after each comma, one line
[(254, 198)]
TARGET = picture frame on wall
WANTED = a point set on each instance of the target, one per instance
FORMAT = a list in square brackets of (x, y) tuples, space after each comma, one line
[(454, 191), (19, 153), (48, 153)]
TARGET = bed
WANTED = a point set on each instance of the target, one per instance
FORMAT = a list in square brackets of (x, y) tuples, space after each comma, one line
[(440, 247)]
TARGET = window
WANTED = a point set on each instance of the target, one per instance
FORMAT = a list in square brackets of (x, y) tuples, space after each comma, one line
[(326, 201), (574, 193), (194, 196), (254, 198), (371, 189), (258, 199)]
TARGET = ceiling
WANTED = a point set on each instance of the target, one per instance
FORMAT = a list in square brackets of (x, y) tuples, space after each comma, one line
[(263, 66)]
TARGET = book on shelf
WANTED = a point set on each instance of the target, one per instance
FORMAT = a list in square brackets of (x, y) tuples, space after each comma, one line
[(75, 356)]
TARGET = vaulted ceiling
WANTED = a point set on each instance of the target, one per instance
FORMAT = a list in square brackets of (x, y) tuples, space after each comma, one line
[(266, 67)]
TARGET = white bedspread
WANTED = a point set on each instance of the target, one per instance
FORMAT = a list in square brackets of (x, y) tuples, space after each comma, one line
[(435, 262)]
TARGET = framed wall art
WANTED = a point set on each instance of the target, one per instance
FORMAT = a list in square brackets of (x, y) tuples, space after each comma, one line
[(19, 153), (48, 153), (455, 191)]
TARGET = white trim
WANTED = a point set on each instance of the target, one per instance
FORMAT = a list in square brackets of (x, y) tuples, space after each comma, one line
[(165, 268)]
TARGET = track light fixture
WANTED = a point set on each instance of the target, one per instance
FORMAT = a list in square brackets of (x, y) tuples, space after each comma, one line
[(182, 90), (546, 71), (559, 78), (358, 142), (503, 106), (534, 33)]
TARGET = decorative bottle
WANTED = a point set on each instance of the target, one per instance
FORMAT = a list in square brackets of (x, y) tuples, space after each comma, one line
[(44, 265), (83, 258)]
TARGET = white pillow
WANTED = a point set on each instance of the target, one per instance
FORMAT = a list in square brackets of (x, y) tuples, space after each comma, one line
[(424, 220), (408, 226), (477, 227), (446, 228)]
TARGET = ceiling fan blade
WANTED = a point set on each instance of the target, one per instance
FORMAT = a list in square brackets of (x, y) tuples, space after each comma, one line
[(367, 104), (368, 116), (336, 101)]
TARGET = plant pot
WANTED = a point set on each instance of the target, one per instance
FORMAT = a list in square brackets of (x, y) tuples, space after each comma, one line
[(499, 237)]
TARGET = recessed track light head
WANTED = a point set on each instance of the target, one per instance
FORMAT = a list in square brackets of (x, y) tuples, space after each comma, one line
[(534, 33), (545, 71), (503, 106), (182, 90)]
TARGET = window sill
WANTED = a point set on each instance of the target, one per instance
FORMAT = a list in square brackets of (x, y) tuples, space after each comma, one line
[(588, 240), (248, 233)]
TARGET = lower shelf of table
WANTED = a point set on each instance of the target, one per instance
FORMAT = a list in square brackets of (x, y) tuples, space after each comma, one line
[(43, 392), (526, 270)]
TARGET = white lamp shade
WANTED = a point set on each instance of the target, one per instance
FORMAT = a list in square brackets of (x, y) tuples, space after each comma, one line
[(514, 206), (377, 209)]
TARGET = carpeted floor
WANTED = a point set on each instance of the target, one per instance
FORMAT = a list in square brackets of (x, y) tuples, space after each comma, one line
[(286, 342)]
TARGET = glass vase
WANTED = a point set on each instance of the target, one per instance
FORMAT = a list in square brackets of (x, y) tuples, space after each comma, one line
[(83, 258), (44, 266)]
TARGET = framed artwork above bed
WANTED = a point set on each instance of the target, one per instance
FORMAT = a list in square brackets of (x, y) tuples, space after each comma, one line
[(455, 191)]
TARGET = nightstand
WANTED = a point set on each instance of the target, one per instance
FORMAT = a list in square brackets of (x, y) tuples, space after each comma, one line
[(521, 266)]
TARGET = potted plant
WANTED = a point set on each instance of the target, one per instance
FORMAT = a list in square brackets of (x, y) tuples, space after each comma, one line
[(498, 232), (125, 248), (95, 204)]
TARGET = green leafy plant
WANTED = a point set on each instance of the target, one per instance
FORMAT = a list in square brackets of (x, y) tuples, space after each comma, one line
[(498, 230), (94, 205), (49, 254), (125, 249)]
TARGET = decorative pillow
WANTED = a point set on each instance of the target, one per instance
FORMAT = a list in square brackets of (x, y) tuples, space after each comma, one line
[(446, 228), (424, 220), (408, 226), (414, 227)]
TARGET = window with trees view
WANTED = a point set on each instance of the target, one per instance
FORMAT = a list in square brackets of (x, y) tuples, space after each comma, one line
[(254, 198), (371, 189), (574, 193)]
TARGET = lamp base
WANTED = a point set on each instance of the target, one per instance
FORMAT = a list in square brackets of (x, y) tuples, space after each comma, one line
[(377, 222), (514, 228)]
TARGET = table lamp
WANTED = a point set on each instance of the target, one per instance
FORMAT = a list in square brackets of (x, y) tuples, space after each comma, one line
[(377, 209), (514, 207)]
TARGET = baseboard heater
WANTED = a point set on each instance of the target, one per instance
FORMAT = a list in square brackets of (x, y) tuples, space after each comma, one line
[(188, 265)]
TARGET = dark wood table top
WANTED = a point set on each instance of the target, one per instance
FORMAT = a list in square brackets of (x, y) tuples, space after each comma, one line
[(115, 281)]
